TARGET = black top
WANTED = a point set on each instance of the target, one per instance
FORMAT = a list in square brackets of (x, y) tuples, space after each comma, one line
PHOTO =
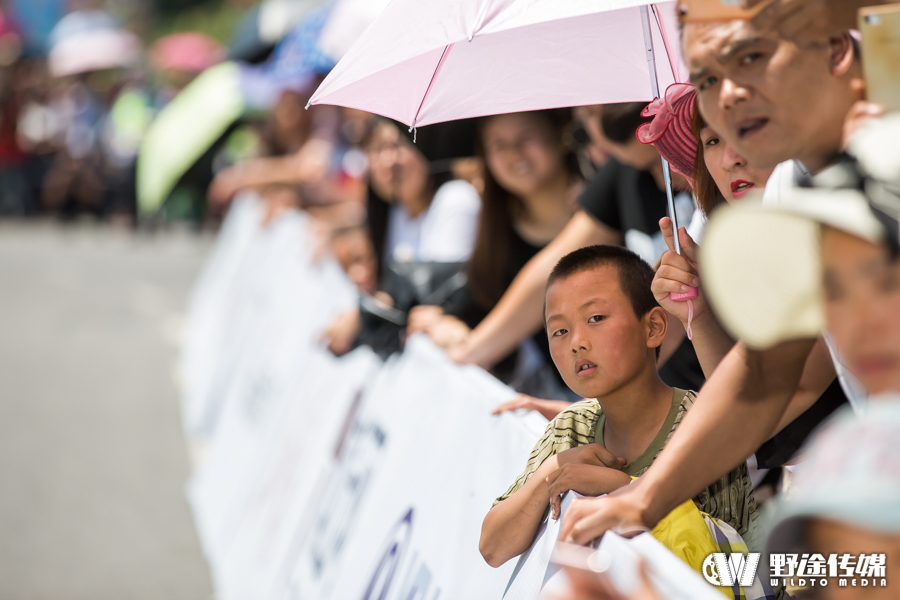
[(784, 446), (464, 306), (624, 198)]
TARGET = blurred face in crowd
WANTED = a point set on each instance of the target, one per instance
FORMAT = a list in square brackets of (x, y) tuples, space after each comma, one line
[(291, 120), (827, 537), (597, 342), (523, 152), (862, 304), (733, 175), (770, 98), (397, 171), (353, 250)]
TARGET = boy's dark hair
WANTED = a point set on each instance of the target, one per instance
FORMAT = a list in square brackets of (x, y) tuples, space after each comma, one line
[(635, 275), (620, 122)]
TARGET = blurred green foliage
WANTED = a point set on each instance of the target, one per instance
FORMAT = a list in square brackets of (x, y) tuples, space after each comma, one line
[(216, 18)]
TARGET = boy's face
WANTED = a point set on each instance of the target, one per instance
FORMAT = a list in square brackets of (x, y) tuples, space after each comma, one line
[(770, 98), (827, 537), (862, 307), (596, 341)]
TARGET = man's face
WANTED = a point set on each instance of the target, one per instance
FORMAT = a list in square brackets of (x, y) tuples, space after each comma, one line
[(771, 99), (862, 308), (596, 341)]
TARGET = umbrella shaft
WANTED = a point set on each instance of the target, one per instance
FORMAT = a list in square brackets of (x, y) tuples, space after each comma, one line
[(654, 88)]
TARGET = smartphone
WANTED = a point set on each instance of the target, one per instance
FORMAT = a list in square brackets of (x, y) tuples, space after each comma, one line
[(699, 11), (880, 28)]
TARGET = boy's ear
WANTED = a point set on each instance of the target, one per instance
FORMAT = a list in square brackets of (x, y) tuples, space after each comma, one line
[(657, 326)]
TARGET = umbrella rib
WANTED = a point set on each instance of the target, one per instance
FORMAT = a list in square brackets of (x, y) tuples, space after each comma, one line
[(434, 75), (665, 38)]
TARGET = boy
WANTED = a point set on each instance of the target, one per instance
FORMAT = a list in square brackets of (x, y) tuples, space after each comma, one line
[(605, 329)]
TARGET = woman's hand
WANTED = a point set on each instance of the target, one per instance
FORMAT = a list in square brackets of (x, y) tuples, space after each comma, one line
[(678, 273), (422, 318), (587, 480), (342, 332), (548, 408), (445, 331)]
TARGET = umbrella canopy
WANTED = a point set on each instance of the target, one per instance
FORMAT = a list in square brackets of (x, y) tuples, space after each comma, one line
[(427, 62), (186, 51), (184, 130), (187, 126), (90, 40)]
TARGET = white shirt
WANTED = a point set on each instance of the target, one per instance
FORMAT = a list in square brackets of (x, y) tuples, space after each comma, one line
[(445, 232), (651, 248), (785, 177)]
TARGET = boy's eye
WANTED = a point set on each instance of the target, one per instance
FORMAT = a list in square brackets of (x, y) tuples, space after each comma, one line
[(560, 332), (596, 319)]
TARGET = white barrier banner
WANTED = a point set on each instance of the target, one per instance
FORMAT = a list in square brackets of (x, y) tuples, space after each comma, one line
[(333, 478), (402, 516)]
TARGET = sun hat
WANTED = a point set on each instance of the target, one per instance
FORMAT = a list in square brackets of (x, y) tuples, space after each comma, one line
[(760, 262), (850, 474), (670, 130)]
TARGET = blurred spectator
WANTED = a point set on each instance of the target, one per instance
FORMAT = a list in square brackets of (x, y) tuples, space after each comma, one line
[(416, 213), (531, 181)]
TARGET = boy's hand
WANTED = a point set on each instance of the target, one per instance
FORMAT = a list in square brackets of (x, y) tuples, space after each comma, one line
[(678, 273), (588, 480), (590, 454)]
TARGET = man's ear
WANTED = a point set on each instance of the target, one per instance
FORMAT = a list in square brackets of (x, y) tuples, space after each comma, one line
[(842, 54), (657, 326)]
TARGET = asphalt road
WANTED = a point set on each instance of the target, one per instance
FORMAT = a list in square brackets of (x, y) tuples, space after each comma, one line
[(92, 457)]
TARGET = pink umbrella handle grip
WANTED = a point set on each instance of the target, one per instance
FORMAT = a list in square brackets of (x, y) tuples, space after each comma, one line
[(688, 295)]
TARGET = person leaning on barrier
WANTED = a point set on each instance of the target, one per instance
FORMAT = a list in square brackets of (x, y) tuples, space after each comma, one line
[(836, 259), (605, 329), (773, 100)]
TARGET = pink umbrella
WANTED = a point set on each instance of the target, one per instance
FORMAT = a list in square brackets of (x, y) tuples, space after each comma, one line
[(427, 62), (187, 51)]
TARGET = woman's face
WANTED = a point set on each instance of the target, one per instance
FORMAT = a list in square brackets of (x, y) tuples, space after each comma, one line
[(733, 176), (397, 171), (862, 308), (522, 152)]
